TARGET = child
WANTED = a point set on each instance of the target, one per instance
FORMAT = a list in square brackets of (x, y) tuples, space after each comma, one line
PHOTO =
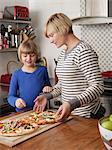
[(30, 80)]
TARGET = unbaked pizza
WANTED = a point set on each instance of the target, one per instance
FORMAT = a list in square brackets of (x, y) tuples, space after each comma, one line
[(27, 124), (42, 118), (17, 127)]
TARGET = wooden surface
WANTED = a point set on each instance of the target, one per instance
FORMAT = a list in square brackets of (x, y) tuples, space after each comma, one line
[(76, 134)]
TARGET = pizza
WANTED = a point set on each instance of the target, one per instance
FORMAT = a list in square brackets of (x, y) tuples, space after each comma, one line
[(27, 124), (45, 117), (17, 127)]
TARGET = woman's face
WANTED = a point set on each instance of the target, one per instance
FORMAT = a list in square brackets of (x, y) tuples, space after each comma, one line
[(56, 38), (28, 59)]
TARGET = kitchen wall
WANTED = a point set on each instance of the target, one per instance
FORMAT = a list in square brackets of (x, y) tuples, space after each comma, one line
[(5, 57), (40, 11), (99, 36)]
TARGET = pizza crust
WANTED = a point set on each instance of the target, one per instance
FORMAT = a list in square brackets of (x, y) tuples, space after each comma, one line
[(19, 133), (17, 127), (27, 124)]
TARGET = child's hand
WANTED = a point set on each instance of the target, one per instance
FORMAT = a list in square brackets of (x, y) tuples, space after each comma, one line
[(47, 89), (20, 103)]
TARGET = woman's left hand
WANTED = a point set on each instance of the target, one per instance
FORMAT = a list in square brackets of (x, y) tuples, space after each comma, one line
[(47, 89), (40, 103), (64, 111)]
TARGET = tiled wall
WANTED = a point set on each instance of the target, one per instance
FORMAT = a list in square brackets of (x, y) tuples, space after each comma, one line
[(100, 38)]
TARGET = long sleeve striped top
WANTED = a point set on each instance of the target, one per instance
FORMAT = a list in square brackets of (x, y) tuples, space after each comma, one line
[(80, 81)]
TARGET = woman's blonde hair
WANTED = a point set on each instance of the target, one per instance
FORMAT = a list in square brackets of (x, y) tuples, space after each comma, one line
[(28, 46), (60, 23)]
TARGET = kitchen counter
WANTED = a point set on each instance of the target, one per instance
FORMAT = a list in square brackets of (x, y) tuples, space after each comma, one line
[(76, 134), (5, 108)]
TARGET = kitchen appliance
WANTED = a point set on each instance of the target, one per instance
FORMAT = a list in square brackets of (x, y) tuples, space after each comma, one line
[(5, 78), (109, 8), (16, 13), (106, 97), (55, 102), (5, 108)]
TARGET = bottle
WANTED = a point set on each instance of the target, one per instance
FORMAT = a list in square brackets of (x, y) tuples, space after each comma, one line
[(6, 40), (17, 38), (13, 45), (9, 35), (1, 42)]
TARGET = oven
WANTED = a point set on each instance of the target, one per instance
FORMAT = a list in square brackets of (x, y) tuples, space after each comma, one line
[(55, 102), (106, 97)]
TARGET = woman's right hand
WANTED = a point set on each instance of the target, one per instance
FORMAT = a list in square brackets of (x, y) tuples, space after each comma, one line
[(63, 111), (40, 103), (20, 103)]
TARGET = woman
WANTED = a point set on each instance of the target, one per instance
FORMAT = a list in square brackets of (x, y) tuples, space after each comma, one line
[(30, 80), (80, 82)]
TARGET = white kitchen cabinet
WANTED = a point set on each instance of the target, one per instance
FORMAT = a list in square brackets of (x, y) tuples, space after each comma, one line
[(97, 8), (91, 20), (96, 12)]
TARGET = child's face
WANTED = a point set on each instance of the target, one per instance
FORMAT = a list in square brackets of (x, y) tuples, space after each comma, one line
[(28, 59)]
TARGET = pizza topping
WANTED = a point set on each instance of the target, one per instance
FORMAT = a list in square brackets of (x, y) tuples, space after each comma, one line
[(1, 125), (17, 126), (28, 124)]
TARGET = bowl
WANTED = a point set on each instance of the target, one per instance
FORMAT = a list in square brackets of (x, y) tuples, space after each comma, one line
[(106, 134)]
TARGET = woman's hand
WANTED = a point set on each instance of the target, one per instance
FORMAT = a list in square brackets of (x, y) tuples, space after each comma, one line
[(47, 89), (63, 111), (20, 103), (40, 103)]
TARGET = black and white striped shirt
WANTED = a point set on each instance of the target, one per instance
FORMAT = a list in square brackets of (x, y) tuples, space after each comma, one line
[(80, 81)]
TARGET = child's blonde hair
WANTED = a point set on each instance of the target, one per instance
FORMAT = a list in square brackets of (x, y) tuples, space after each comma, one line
[(28, 46), (60, 23)]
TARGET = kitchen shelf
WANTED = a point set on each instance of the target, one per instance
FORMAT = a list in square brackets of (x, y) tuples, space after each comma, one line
[(15, 21), (91, 20), (8, 50)]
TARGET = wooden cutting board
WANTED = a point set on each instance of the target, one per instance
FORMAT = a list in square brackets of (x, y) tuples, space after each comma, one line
[(12, 141)]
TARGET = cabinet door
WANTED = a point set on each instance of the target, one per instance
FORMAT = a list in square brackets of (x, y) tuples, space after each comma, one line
[(97, 8)]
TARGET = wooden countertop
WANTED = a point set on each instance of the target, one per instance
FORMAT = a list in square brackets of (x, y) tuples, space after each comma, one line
[(76, 134)]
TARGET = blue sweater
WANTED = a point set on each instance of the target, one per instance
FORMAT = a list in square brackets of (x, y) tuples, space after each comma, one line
[(27, 86)]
